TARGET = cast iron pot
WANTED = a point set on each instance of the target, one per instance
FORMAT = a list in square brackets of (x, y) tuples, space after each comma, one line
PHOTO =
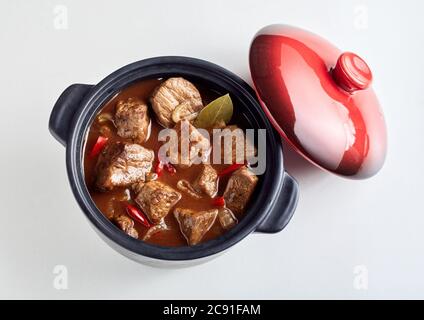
[(275, 198)]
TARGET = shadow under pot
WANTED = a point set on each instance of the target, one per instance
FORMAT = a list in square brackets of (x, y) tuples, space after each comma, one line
[(270, 207)]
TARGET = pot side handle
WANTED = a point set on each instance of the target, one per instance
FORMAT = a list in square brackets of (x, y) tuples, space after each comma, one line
[(284, 207), (64, 110)]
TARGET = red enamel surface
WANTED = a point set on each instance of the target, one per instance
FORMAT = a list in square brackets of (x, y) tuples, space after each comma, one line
[(351, 73), (320, 100)]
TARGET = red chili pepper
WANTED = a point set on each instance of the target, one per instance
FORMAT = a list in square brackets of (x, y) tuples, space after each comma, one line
[(159, 168), (170, 168), (98, 146), (230, 169), (137, 215), (219, 202)]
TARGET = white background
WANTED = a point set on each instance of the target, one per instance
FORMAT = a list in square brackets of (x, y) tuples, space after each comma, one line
[(339, 224)]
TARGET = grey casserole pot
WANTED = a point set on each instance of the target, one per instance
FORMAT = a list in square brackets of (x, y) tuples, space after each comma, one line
[(273, 202)]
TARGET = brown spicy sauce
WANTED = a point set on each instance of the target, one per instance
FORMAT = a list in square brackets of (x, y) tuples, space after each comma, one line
[(112, 202)]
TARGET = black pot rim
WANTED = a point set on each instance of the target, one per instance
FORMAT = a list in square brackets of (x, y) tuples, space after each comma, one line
[(259, 208)]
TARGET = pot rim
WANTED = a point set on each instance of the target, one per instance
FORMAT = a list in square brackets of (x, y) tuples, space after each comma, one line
[(166, 66)]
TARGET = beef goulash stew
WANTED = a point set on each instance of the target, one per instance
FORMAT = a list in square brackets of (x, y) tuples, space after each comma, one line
[(167, 203)]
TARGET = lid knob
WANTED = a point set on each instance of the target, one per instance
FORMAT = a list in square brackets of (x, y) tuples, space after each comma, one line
[(352, 73)]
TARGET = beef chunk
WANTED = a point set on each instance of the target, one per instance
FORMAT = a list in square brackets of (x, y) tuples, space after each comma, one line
[(185, 186), (195, 224), (126, 224), (186, 111), (226, 218), (239, 189), (122, 164), (161, 227), (194, 148), (207, 181), (233, 155), (179, 95), (156, 199), (132, 120)]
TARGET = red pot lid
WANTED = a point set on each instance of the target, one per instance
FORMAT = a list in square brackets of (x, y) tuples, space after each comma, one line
[(320, 100)]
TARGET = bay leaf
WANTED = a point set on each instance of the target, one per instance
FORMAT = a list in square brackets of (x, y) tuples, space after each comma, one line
[(221, 109)]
